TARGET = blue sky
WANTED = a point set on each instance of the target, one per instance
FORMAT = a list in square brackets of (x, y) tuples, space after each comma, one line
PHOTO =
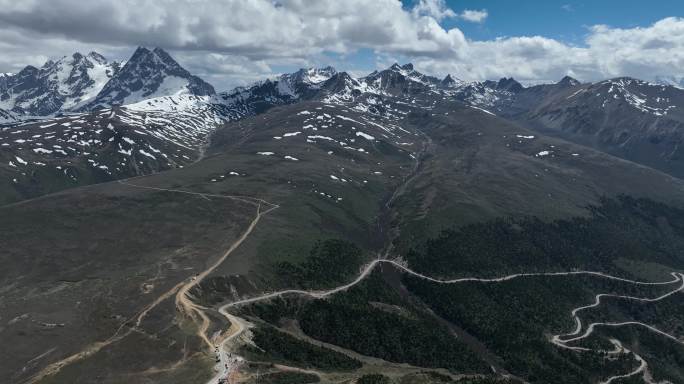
[(557, 19)]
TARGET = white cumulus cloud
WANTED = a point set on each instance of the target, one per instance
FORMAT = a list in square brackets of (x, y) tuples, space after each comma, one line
[(234, 41), (473, 15), (434, 8)]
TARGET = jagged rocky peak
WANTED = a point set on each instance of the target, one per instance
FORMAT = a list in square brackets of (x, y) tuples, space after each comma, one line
[(409, 71), (150, 59), (93, 66), (292, 86), (28, 70), (450, 81), (509, 84), (58, 85), (568, 81), (311, 75), (403, 69), (147, 74), (340, 77), (97, 57), (77, 59), (340, 82), (489, 84), (400, 79), (77, 56), (393, 71)]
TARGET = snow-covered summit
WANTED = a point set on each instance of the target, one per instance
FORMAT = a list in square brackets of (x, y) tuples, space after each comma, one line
[(149, 74), (310, 75), (569, 81), (452, 82), (283, 89), (399, 79), (58, 85)]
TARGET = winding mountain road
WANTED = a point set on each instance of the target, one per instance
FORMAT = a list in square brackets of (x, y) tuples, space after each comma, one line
[(561, 341), (229, 363), (556, 339)]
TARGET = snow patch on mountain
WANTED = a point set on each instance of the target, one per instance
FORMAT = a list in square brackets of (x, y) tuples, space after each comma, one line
[(636, 93), (56, 86), (149, 74)]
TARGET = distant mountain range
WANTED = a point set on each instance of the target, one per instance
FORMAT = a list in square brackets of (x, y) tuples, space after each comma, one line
[(149, 113), (82, 83)]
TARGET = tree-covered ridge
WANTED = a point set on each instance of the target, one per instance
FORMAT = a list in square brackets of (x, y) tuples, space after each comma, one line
[(516, 319), (391, 337), (374, 378), (288, 378), (352, 320), (330, 262), (623, 228), (278, 346), (402, 320)]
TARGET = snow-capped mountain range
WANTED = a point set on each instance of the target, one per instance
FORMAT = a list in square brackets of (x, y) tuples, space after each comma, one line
[(152, 79), (86, 119)]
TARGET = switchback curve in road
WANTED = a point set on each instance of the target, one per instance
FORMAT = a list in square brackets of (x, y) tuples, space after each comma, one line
[(556, 339)]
